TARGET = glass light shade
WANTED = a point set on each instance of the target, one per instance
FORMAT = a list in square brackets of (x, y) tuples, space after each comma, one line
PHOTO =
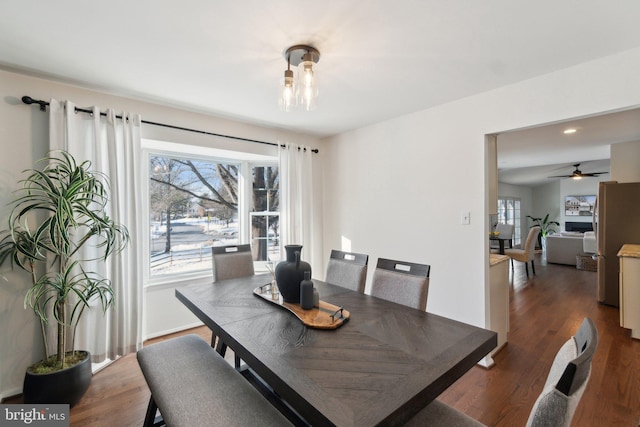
[(307, 84), (287, 98)]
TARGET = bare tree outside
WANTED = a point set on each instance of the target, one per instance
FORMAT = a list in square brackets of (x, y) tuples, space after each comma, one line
[(194, 205), (165, 197), (266, 205)]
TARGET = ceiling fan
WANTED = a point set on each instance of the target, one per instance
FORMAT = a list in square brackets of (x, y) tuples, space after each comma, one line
[(577, 174)]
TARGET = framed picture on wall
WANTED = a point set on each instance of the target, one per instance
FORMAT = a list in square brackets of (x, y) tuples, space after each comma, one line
[(579, 205)]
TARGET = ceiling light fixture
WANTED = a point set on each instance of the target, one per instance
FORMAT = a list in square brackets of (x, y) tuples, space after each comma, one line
[(570, 130), (302, 91)]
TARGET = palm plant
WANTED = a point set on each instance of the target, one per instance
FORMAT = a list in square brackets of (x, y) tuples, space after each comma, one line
[(70, 200), (546, 227)]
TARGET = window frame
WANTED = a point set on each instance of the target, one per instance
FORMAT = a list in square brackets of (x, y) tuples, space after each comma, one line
[(515, 220), (244, 161), (261, 265)]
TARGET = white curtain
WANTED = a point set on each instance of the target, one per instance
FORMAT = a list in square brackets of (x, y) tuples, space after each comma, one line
[(113, 147), (296, 198)]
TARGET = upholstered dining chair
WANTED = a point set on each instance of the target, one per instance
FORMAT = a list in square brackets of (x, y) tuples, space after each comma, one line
[(506, 231), (525, 255), (230, 262), (560, 395), (402, 282), (347, 269)]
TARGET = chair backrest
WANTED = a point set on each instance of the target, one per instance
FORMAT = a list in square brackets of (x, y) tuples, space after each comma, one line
[(506, 230), (347, 269), (401, 282), (530, 244), (232, 261), (567, 379)]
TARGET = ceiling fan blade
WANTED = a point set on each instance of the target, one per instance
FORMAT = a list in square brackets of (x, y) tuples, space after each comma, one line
[(593, 173), (578, 173)]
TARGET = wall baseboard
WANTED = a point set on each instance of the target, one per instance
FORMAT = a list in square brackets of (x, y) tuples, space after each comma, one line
[(173, 330)]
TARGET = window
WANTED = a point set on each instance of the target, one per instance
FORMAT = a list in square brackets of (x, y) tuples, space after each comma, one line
[(196, 202), (509, 213), (265, 224)]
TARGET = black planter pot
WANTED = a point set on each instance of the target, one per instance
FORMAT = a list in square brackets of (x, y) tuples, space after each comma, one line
[(290, 273), (65, 386)]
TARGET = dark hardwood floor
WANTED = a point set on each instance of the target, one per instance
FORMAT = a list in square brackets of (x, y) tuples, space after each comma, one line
[(545, 311)]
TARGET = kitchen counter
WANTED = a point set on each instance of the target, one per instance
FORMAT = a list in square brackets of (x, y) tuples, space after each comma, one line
[(630, 288), (629, 250), (498, 303), (495, 259)]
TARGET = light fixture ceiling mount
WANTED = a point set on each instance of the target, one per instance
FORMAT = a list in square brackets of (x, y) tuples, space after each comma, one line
[(302, 91), (296, 54)]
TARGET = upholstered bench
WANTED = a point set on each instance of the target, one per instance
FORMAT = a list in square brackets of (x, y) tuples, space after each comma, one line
[(192, 385)]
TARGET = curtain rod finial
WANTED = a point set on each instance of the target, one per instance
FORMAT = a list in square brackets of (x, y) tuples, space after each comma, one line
[(28, 100)]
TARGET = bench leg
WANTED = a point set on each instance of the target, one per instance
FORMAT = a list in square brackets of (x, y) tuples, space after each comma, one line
[(150, 418), (533, 267), (526, 268)]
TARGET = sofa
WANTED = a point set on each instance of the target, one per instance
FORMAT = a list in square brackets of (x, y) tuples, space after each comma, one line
[(562, 248), (589, 242)]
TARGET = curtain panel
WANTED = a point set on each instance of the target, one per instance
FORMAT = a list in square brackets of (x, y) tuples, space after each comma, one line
[(113, 147), (296, 199)]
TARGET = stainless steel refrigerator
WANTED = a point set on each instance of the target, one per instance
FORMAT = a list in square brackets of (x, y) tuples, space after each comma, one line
[(616, 221)]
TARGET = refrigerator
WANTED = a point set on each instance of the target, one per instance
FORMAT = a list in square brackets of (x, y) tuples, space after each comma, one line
[(616, 222)]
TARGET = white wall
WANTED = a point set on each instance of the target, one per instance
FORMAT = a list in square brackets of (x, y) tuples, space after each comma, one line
[(624, 162), (396, 189), (546, 200), (24, 139)]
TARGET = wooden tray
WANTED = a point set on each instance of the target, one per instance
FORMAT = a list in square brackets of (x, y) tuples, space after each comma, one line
[(322, 316)]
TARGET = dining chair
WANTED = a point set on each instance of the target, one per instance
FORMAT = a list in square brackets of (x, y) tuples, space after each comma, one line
[(402, 282), (567, 379), (230, 262), (556, 404), (506, 231), (347, 269), (525, 255)]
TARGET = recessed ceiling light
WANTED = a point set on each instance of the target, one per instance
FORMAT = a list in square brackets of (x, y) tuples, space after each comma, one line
[(570, 130)]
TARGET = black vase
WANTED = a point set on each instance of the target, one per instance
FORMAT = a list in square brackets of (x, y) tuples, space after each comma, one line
[(290, 273), (64, 386)]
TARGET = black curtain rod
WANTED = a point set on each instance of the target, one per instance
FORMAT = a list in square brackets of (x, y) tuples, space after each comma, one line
[(43, 107)]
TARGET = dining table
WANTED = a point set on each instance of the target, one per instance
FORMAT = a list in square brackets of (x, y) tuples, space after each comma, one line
[(381, 366), (501, 241)]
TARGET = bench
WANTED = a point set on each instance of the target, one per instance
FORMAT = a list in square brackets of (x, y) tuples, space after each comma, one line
[(192, 385)]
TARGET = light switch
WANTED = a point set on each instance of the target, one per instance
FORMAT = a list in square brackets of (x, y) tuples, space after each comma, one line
[(465, 217)]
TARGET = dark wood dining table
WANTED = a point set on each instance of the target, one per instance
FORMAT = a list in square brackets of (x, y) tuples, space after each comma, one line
[(379, 368), (501, 241)]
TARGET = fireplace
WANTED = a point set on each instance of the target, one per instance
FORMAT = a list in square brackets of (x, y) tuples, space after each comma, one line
[(580, 227)]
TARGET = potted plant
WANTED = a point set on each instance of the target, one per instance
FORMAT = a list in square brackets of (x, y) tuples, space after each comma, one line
[(67, 200), (546, 227)]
